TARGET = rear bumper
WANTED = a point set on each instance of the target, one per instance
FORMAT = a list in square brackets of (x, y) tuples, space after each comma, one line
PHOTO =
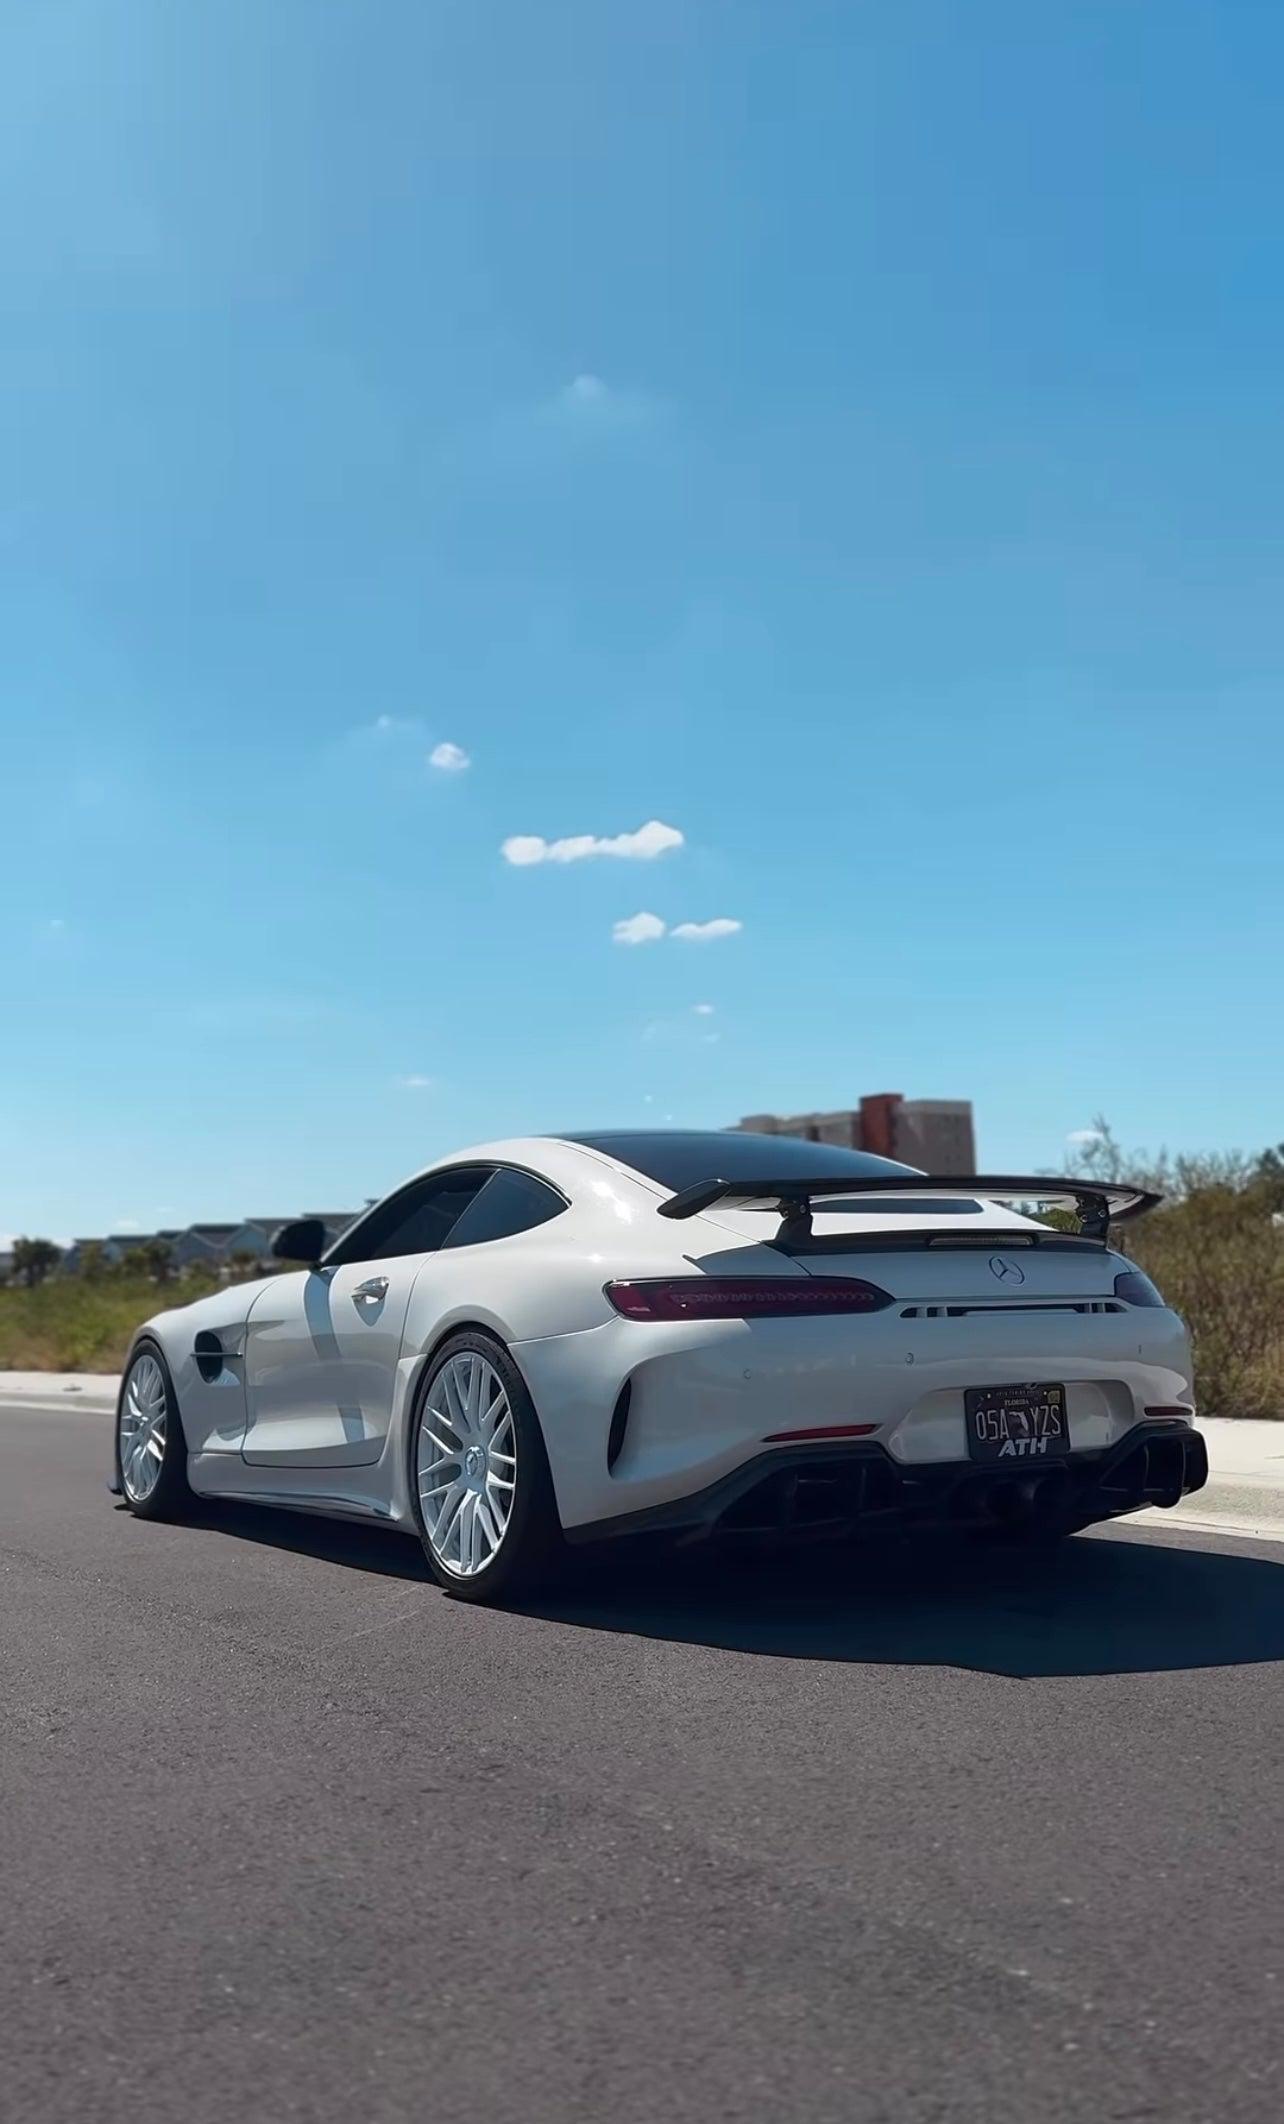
[(828, 1492)]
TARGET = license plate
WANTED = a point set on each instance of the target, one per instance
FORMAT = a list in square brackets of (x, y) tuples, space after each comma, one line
[(1013, 1424)]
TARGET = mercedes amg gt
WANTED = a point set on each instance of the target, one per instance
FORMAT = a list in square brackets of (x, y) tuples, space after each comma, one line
[(558, 1340)]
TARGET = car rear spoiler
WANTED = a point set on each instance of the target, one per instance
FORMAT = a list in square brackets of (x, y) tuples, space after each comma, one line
[(1097, 1203)]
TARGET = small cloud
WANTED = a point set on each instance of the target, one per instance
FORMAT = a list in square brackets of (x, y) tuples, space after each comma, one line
[(638, 929), (703, 1010), (589, 404), (707, 932), (585, 391), (126, 1224), (1082, 1138), (415, 1082), (651, 840), (448, 758), (384, 733)]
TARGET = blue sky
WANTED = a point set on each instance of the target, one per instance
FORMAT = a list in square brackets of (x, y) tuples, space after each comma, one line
[(848, 435)]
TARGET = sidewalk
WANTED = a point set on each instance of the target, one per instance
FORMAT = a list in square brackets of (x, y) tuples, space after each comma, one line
[(69, 1390), (1245, 1493)]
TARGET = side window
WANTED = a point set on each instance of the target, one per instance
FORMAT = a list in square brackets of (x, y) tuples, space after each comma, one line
[(416, 1221), (510, 1202)]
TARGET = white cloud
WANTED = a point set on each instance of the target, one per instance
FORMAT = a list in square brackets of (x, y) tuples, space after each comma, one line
[(585, 391), (589, 404), (707, 932), (703, 1010), (127, 1224), (1082, 1138), (448, 758), (415, 1083), (383, 734), (651, 840), (638, 929)]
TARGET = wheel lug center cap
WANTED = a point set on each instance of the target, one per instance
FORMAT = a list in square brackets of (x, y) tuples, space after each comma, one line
[(474, 1461)]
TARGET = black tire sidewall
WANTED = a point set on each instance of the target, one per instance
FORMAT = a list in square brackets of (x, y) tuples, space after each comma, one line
[(533, 1537), (172, 1492)]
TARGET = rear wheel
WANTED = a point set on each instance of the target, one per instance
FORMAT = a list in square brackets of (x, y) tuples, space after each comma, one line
[(483, 1494), (151, 1451)]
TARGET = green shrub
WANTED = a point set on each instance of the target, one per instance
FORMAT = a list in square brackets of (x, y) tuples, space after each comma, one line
[(1217, 1254)]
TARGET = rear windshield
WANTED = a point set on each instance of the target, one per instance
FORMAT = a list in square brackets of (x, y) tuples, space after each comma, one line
[(680, 1159)]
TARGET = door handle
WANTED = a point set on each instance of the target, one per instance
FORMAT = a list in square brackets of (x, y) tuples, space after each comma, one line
[(373, 1287)]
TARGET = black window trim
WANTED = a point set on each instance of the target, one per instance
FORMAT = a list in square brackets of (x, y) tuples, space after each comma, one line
[(488, 1166)]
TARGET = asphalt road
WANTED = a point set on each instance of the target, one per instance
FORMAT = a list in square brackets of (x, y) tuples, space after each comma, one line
[(285, 1833)]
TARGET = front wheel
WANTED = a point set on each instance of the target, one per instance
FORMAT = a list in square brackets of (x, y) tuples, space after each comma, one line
[(151, 1451), (483, 1494)]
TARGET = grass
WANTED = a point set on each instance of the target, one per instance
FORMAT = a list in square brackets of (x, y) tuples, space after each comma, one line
[(67, 1325)]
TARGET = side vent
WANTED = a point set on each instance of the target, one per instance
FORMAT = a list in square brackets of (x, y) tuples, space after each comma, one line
[(210, 1355), (619, 1426)]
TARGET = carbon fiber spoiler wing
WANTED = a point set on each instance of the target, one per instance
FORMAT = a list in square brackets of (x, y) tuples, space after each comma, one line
[(1097, 1203)]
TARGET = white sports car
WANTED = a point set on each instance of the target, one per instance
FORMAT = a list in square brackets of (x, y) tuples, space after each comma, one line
[(557, 1339)]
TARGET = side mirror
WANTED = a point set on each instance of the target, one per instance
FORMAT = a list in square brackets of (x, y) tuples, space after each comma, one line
[(303, 1241)]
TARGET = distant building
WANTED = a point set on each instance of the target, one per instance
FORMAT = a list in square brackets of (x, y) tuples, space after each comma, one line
[(934, 1134)]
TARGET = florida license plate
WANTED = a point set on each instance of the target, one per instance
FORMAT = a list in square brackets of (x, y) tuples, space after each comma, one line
[(1017, 1423)]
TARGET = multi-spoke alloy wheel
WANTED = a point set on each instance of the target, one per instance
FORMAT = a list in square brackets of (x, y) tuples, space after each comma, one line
[(144, 1409), (151, 1454), (467, 1464), (480, 1472)]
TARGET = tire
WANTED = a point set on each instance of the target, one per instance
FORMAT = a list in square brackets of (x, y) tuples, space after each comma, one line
[(147, 1400), (479, 1475)]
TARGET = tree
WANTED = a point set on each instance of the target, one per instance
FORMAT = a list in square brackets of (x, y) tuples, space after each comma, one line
[(158, 1259), (153, 1258), (1216, 1253), (34, 1259), (93, 1261)]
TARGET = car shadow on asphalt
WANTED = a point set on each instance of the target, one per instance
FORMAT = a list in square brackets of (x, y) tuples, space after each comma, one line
[(1093, 1606), (1119, 1603), (353, 1544)]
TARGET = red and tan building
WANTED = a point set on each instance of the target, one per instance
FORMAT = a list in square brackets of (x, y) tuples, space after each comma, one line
[(934, 1134)]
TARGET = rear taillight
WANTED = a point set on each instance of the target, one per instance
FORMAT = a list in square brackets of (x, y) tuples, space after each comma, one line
[(744, 1297), (1136, 1289)]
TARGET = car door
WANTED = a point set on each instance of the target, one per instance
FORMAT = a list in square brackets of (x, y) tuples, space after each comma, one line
[(323, 1346)]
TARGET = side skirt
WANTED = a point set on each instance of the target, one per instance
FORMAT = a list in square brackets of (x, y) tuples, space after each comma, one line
[(224, 1476)]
